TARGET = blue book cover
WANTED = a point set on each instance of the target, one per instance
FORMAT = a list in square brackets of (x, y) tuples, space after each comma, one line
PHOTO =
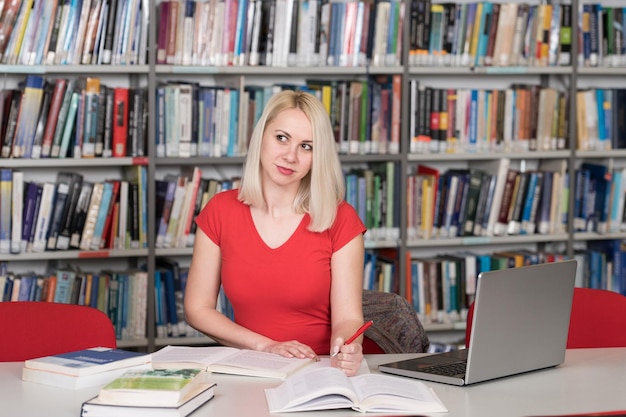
[(483, 35), (528, 202), (600, 109), (88, 361), (601, 175), (207, 128), (103, 210)]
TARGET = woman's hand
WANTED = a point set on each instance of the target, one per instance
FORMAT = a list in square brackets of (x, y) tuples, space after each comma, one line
[(291, 349), (348, 359)]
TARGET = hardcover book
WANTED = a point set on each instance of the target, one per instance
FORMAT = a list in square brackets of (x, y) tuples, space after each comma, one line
[(152, 387), (56, 379), (88, 361), (196, 398)]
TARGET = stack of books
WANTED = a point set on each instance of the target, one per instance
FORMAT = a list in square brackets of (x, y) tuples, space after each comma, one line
[(83, 368), (163, 392)]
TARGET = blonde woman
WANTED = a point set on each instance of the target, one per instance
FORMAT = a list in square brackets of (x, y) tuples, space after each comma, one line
[(285, 246)]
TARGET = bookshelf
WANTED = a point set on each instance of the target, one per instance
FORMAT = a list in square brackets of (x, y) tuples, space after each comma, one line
[(152, 73)]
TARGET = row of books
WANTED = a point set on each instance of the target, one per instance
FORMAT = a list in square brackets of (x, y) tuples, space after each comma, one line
[(490, 199), (380, 271), (121, 295), (518, 118), (442, 287), (53, 32), (600, 119), (477, 34), (601, 36), (602, 265), (170, 281), (194, 120), (599, 199), (73, 213), (280, 33), (78, 118), (373, 193), (179, 199), (83, 118)]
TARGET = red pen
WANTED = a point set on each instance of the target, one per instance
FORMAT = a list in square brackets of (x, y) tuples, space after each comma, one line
[(356, 334)]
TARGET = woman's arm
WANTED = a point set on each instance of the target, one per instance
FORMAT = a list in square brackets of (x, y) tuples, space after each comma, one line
[(346, 304), (201, 293)]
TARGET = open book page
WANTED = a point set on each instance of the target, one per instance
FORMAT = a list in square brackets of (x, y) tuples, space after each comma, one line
[(387, 393), (329, 388), (228, 360), (255, 363), (323, 388), (187, 356)]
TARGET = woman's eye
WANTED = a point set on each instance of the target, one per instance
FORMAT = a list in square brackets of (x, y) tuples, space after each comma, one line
[(307, 147), (281, 138)]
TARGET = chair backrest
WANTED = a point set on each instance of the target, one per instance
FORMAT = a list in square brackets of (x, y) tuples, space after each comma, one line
[(597, 320), (396, 328), (31, 329)]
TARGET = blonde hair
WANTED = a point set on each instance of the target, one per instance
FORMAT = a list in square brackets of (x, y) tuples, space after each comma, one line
[(323, 188)]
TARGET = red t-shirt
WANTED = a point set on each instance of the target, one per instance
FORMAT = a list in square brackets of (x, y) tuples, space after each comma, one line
[(282, 293)]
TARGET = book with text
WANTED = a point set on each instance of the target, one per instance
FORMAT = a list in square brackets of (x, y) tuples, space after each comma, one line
[(153, 387), (56, 379), (88, 361), (196, 398), (228, 360), (329, 388)]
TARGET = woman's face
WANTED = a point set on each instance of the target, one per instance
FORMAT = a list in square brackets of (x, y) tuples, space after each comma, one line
[(287, 148)]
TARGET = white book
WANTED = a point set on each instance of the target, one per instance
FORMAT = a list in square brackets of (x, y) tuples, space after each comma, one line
[(172, 131), (73, 382), (256, 33), (103, 210), (305, 391), (43, 217), (92, 216), (179, 197), (380, 34), (280, 34), (184, 111), (499, 168)]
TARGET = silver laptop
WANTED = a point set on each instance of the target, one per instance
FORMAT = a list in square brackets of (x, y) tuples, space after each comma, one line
[(520, 324)]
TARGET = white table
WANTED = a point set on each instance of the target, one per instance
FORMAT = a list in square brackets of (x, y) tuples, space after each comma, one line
[(589, 380)]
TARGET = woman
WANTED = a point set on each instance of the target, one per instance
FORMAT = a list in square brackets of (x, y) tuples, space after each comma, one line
[(285, 246)]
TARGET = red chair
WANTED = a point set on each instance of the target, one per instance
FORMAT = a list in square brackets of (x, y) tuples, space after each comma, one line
[(597, 320), (32, 329)]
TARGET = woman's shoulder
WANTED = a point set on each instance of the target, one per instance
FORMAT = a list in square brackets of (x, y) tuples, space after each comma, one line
[(227, 195), (346, 213), (345, 209)]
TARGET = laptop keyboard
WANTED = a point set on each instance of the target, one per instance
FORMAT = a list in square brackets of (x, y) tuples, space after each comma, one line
[(447, 369)]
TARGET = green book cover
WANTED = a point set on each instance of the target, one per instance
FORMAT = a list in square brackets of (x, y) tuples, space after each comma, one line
[(154, 380)]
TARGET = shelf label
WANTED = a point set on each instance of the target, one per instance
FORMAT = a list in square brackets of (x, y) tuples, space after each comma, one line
[(140, 160), (478, 240), (506, 70), (94, 254)]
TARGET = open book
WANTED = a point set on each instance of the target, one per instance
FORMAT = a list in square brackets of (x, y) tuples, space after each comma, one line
[(329, 388), (228, 360)]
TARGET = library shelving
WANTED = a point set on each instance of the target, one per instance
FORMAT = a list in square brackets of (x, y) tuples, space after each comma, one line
[(426, 60)]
